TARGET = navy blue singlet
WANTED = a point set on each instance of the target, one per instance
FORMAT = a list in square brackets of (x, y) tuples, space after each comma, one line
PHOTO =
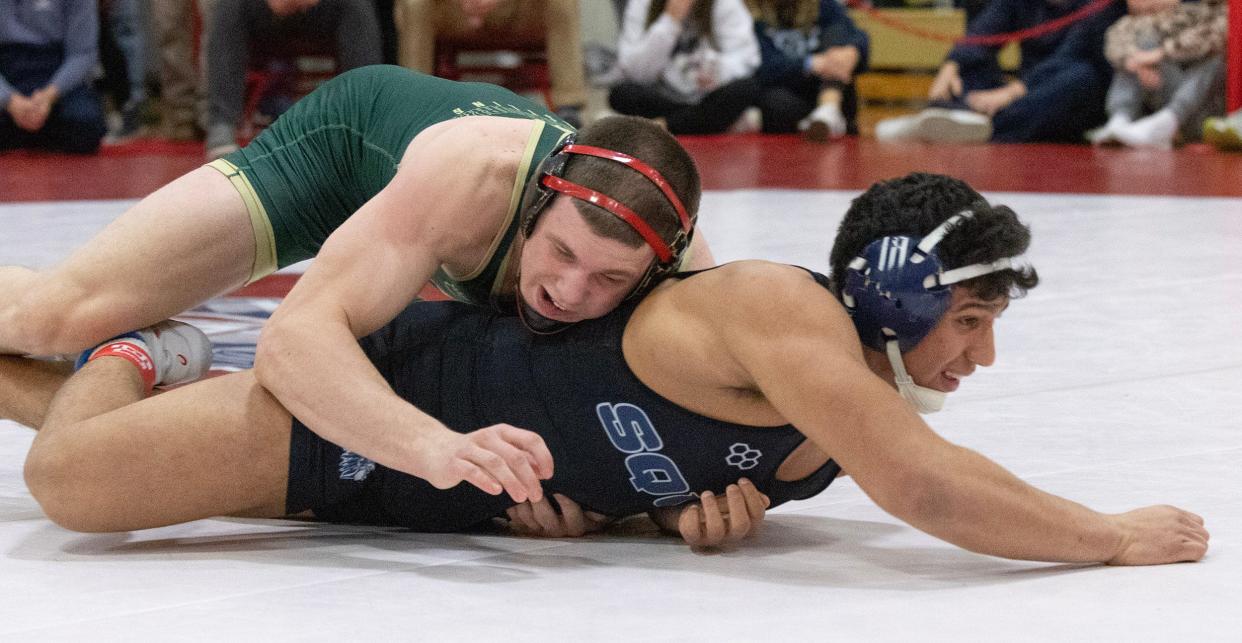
[(618, 447)]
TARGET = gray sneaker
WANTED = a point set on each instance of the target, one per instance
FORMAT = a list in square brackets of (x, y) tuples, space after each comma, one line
[(182, 353)]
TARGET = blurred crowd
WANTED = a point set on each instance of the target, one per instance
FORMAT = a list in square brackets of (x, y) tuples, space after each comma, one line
[(1138, 73)]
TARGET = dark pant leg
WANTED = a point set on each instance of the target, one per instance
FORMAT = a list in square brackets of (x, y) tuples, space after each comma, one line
[(234, 23), (783, 106), (717, 111), (1058, 108), (357, 29), (634, 99)]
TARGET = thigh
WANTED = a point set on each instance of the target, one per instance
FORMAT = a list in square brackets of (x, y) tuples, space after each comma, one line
[(188, 241), (217, 447)]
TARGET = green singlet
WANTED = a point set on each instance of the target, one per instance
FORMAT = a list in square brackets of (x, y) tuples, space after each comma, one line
[(339, 146)]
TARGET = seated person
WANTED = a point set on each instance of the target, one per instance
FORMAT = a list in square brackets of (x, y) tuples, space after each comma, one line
[(752, 368), (237, 25), (690, 63), (811, 50), (421, 22), (48, 51), (1058, 93), (1169, 62)]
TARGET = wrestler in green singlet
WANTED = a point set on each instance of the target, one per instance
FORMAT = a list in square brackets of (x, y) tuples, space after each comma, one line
[(339, 146)]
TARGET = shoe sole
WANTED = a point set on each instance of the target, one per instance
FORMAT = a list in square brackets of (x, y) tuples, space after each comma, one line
[(944, 128)]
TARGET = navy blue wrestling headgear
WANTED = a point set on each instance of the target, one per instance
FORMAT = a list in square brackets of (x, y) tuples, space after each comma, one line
[(898, 287)]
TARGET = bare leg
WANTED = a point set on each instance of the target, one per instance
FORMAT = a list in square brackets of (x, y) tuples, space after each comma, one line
[(107, 460), (190, 240)]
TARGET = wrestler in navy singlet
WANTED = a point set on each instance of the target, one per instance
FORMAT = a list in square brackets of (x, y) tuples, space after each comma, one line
[(618, 447)]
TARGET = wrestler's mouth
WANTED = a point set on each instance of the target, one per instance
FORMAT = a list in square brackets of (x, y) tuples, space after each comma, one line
[(952, 380), (548, 307)]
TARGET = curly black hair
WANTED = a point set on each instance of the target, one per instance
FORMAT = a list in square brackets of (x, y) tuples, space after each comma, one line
[(916, 204)]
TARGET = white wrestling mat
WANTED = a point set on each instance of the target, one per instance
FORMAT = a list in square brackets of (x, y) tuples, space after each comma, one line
[(1118, 384)]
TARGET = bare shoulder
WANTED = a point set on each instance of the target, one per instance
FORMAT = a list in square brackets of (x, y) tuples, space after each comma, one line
[(456, 179), (758, 290)]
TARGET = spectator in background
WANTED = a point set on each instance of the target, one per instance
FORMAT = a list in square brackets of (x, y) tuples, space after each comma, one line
[(1057, 95), (182, 79), (47, 52), (810, 52), (556, 22), (1224, 134), (688, 62), (1169, 62), (236, 24), (123, 49)]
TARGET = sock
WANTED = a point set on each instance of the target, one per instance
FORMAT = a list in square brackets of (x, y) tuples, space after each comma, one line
[(1155, 131), (130, 348)]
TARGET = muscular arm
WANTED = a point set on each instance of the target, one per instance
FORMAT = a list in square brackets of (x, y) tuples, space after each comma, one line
[(806, 362), (367, 272)]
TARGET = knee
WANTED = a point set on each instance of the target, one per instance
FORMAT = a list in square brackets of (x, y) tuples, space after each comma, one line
[(53, 477)]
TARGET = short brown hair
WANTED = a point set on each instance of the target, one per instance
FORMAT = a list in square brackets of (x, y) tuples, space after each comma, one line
[(648, 142)]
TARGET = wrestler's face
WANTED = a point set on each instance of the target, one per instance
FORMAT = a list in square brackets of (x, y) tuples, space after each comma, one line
[(569, 273), (959, 343)]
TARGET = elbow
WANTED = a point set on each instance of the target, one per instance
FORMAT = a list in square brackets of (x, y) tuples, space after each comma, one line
[(273, 353)]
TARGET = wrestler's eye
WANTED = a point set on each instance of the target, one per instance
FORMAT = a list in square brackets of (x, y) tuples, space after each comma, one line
[(969, 322)]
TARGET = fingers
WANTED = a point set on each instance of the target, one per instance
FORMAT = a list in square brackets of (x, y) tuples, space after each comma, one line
[(522, 519), (756, 502), (533, 445), (505, 462), (689, 525), (739, 517), (574, 523), (475, 475), (546, 516), (713, 521)]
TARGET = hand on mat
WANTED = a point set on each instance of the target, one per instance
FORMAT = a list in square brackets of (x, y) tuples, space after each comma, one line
[(1158, 535), (497, 459), (542, 519), (714, 521)]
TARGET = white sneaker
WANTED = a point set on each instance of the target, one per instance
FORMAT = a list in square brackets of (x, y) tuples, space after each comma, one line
[(824, 123), (938, 125), (899, 128), (750, 122), (169, 353)]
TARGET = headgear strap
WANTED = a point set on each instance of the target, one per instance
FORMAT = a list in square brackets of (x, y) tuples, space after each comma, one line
[(569, 188), (642, 168)]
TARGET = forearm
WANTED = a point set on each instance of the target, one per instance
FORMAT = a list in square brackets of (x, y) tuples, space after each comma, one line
[(319, 373), (978, 505)]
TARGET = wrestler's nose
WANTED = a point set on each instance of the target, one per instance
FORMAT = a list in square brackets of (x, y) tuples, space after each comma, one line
[(573, 289)]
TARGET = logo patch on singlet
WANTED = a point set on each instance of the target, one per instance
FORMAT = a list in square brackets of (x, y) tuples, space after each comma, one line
[(355, 467), (651, 472), (742, 456)]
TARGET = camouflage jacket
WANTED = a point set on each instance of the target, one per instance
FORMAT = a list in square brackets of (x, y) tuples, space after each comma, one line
[(1187, 33)]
